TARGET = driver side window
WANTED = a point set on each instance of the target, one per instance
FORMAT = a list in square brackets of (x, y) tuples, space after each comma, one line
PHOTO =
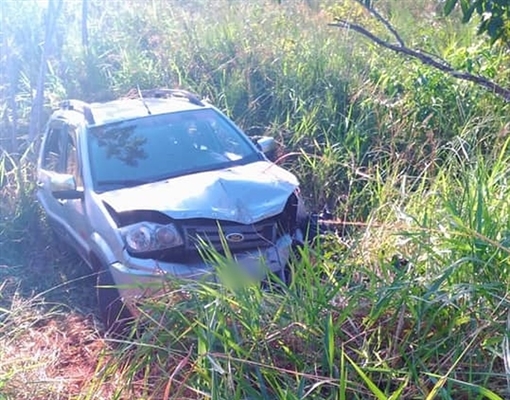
[(54, 150)]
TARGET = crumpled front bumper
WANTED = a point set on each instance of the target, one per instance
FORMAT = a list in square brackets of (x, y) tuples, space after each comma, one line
[(137, 278)]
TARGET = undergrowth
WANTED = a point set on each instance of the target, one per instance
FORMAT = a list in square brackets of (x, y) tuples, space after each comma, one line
[(408, 298)]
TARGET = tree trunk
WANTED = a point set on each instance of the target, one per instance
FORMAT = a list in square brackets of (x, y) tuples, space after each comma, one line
[(8, 79), (84, 27), (38, 101), (13, 76)]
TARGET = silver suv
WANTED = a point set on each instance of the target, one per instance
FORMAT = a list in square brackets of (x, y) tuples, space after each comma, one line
[(138, 185)]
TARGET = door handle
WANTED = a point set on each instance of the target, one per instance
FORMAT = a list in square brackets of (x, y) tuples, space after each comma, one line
[(40, 184)]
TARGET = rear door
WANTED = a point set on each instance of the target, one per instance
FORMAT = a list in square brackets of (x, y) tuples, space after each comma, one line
[(51, 167), (59, 162)]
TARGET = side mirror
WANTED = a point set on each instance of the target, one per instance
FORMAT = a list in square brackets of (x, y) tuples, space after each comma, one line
[(267, 145), (63, 186)]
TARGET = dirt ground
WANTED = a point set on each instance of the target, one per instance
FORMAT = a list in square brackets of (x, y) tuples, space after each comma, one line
[(52, 342)]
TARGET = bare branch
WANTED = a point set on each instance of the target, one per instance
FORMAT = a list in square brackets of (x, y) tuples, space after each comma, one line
[(427, 59), (387, 24), (384, 21)]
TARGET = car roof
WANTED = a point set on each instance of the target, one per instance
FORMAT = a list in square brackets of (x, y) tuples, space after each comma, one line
[(126, 109), (141, 104)]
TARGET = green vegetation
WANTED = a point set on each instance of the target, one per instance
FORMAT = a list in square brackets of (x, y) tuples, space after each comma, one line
[(495, 16), (410, 299)]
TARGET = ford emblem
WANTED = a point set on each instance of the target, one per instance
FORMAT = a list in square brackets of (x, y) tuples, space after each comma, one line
[(235, 237)]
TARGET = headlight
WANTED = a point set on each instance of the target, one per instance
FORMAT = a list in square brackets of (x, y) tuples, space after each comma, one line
[(139, 238), (144, 237)]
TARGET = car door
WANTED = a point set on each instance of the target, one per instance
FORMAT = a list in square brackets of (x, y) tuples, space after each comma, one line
[(59, 162), (50, 168)]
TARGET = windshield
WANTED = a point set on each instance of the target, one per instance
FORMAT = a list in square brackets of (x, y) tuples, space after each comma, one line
[(153, 148)]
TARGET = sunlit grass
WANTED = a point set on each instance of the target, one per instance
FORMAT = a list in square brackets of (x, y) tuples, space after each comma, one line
[(409, 301)]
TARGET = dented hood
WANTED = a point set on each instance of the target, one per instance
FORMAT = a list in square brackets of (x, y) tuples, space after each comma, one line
[(244, 194)]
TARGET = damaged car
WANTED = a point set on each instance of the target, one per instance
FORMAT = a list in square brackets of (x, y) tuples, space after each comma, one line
[(138, 185)]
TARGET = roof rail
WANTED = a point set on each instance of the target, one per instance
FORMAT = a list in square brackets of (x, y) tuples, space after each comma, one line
[(79, 106), (168, 93)]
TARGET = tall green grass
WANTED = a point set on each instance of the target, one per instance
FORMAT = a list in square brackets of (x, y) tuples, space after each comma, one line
[(19, 213), (414, 307), (410, 301)]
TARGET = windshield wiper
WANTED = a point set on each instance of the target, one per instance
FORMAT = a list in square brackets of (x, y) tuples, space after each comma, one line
[(124, 182)]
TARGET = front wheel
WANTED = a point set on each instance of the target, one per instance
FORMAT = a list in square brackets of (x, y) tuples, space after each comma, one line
[(114, 312)]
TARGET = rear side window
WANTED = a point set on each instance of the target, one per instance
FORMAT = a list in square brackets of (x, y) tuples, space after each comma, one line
[(54, 150), (60, 153)]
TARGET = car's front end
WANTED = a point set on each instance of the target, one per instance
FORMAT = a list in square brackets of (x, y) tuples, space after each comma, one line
[(178, 228)]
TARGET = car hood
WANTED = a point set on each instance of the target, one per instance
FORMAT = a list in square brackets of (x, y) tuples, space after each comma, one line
[(244, 194)]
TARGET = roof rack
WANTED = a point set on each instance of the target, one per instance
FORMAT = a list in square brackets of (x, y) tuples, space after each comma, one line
[(166, 94), (79, 106)]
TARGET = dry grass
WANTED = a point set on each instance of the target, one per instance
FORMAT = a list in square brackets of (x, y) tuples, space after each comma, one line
[(56, 357)]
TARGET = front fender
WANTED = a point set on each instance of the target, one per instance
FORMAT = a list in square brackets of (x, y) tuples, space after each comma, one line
[(102, 250)]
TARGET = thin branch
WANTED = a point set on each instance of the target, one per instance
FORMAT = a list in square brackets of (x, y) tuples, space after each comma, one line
[(427, 59), (385, 22)]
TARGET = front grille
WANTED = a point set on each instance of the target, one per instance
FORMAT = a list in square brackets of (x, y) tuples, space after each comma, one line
[(217, 234), (198, 231)]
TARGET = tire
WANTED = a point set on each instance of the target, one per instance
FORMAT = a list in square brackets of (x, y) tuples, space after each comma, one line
[(114, 313)]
